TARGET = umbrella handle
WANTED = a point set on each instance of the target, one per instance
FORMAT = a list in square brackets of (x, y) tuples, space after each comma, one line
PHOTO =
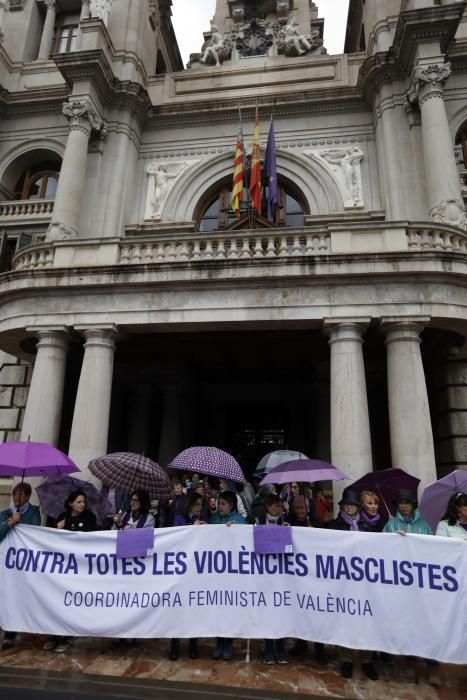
[(385, 504)]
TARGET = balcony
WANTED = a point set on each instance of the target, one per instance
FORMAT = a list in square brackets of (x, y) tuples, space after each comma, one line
[(268, 246), (28, 210)]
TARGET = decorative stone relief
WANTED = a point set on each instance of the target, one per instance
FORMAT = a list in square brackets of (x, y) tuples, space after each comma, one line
[(161, 178), (428, 82), (101, 9), (344, 163), (16, 5), (282, 9), (82, 116), (154, 14), (450, 211), (3, 9), (58, 231), (291, 42)]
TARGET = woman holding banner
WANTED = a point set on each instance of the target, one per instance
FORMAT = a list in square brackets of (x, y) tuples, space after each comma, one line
[(226, 514), (349, 519), (76, 518)]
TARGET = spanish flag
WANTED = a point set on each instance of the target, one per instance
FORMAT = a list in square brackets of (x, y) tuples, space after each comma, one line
[(237, 185), (255, 176)]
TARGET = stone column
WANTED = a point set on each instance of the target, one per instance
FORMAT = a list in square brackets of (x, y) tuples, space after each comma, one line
[(47, 32), (83, 118), (90, 428), (170, 443), (409, 413), (43, 412), (445, 201), (85, 10), (350, 425), (119, 146)]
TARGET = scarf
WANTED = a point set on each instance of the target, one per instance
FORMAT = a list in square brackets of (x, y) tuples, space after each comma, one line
[(140, 523), (371, 521), (353, 522), (272, 519), (21, 510)]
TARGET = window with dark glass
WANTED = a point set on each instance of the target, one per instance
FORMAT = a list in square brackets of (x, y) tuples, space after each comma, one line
[(38, 182), (216, 213), (66, 32)]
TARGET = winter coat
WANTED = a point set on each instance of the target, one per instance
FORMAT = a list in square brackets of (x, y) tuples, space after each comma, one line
[(31, 517), (340, 524), (84, 522), (218, 519), (446, 530), (416, 526)]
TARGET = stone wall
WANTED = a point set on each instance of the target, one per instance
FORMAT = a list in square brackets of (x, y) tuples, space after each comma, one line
[(15, 377)]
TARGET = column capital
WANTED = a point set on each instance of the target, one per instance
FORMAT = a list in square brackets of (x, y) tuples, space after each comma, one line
[(428, 82), (50, 4), (82, 116), (99, 334), (344, 329), (403, 329), (50, 336)]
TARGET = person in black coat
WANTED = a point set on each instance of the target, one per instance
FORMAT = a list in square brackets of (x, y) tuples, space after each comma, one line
[(349, 519)]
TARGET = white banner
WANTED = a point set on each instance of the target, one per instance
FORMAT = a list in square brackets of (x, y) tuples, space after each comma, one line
[(402, 595)]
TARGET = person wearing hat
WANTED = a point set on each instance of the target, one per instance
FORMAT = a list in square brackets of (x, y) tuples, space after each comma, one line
[(407, 518), (227, 485), (349, 519)]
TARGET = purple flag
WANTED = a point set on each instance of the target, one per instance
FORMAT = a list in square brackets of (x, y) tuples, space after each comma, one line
[(135, 542), (270, 172), (272, 539)]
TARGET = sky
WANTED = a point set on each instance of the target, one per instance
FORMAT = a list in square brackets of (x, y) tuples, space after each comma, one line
[(192, 17)]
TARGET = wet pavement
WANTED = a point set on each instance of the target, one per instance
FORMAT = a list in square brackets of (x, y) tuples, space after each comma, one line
[(94, 668)]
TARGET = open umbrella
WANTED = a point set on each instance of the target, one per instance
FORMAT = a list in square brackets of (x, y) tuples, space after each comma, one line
[(386, 483), (129, 471), (437, 495), (273, 459), (56, 489), (209, 460), (24, 459), (301, 470)]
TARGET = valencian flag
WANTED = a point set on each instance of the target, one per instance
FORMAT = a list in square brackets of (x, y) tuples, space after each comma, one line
[(270, 173), (239, 170), (255, 174)]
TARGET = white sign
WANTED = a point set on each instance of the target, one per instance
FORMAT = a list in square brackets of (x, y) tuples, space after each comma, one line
[(403, 595)]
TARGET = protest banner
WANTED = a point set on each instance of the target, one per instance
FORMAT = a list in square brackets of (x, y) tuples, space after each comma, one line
[(402, 595)]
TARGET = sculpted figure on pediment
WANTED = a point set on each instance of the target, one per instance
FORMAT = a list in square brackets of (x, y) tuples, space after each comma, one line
[(101, 9)]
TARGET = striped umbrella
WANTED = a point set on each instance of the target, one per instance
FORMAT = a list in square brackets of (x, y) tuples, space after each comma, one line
[(129, 471)]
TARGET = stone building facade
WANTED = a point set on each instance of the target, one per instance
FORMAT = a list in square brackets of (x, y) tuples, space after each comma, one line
[(153, 317)]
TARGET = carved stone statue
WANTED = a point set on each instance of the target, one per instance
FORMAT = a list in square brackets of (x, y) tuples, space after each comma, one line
[(348, 160), (101, 9), (158, 188), (214, 48), (293, 39)]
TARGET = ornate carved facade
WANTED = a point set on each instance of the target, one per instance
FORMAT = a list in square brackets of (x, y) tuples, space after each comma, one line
[(336, 326)]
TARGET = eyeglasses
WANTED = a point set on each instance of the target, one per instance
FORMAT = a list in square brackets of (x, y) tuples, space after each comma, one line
[(134, 499)]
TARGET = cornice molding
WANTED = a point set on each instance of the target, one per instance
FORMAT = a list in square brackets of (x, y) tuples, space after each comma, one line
[(414, 27)]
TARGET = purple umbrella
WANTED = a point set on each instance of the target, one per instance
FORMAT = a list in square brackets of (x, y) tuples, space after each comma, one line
[(301, 470), (273, 459), (129, 471), (56, 489), (386, 483), (437, 495), (33, 459), (209, 460)]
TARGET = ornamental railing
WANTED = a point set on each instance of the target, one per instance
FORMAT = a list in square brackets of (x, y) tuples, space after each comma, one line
[(21, 208), (225, 248)]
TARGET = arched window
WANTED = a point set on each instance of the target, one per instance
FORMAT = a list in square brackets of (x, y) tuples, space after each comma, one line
[(215, 213), (38, 182), (461, 148)]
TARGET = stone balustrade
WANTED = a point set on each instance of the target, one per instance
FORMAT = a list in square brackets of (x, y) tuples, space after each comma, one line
[(219, 247), (225, 247), (20, 208)]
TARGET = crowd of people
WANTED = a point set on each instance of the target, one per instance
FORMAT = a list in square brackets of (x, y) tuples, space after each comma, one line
[(202, 501)]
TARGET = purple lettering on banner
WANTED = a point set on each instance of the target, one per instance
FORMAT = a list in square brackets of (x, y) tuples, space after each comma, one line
[(135, 542), (272, 539)]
